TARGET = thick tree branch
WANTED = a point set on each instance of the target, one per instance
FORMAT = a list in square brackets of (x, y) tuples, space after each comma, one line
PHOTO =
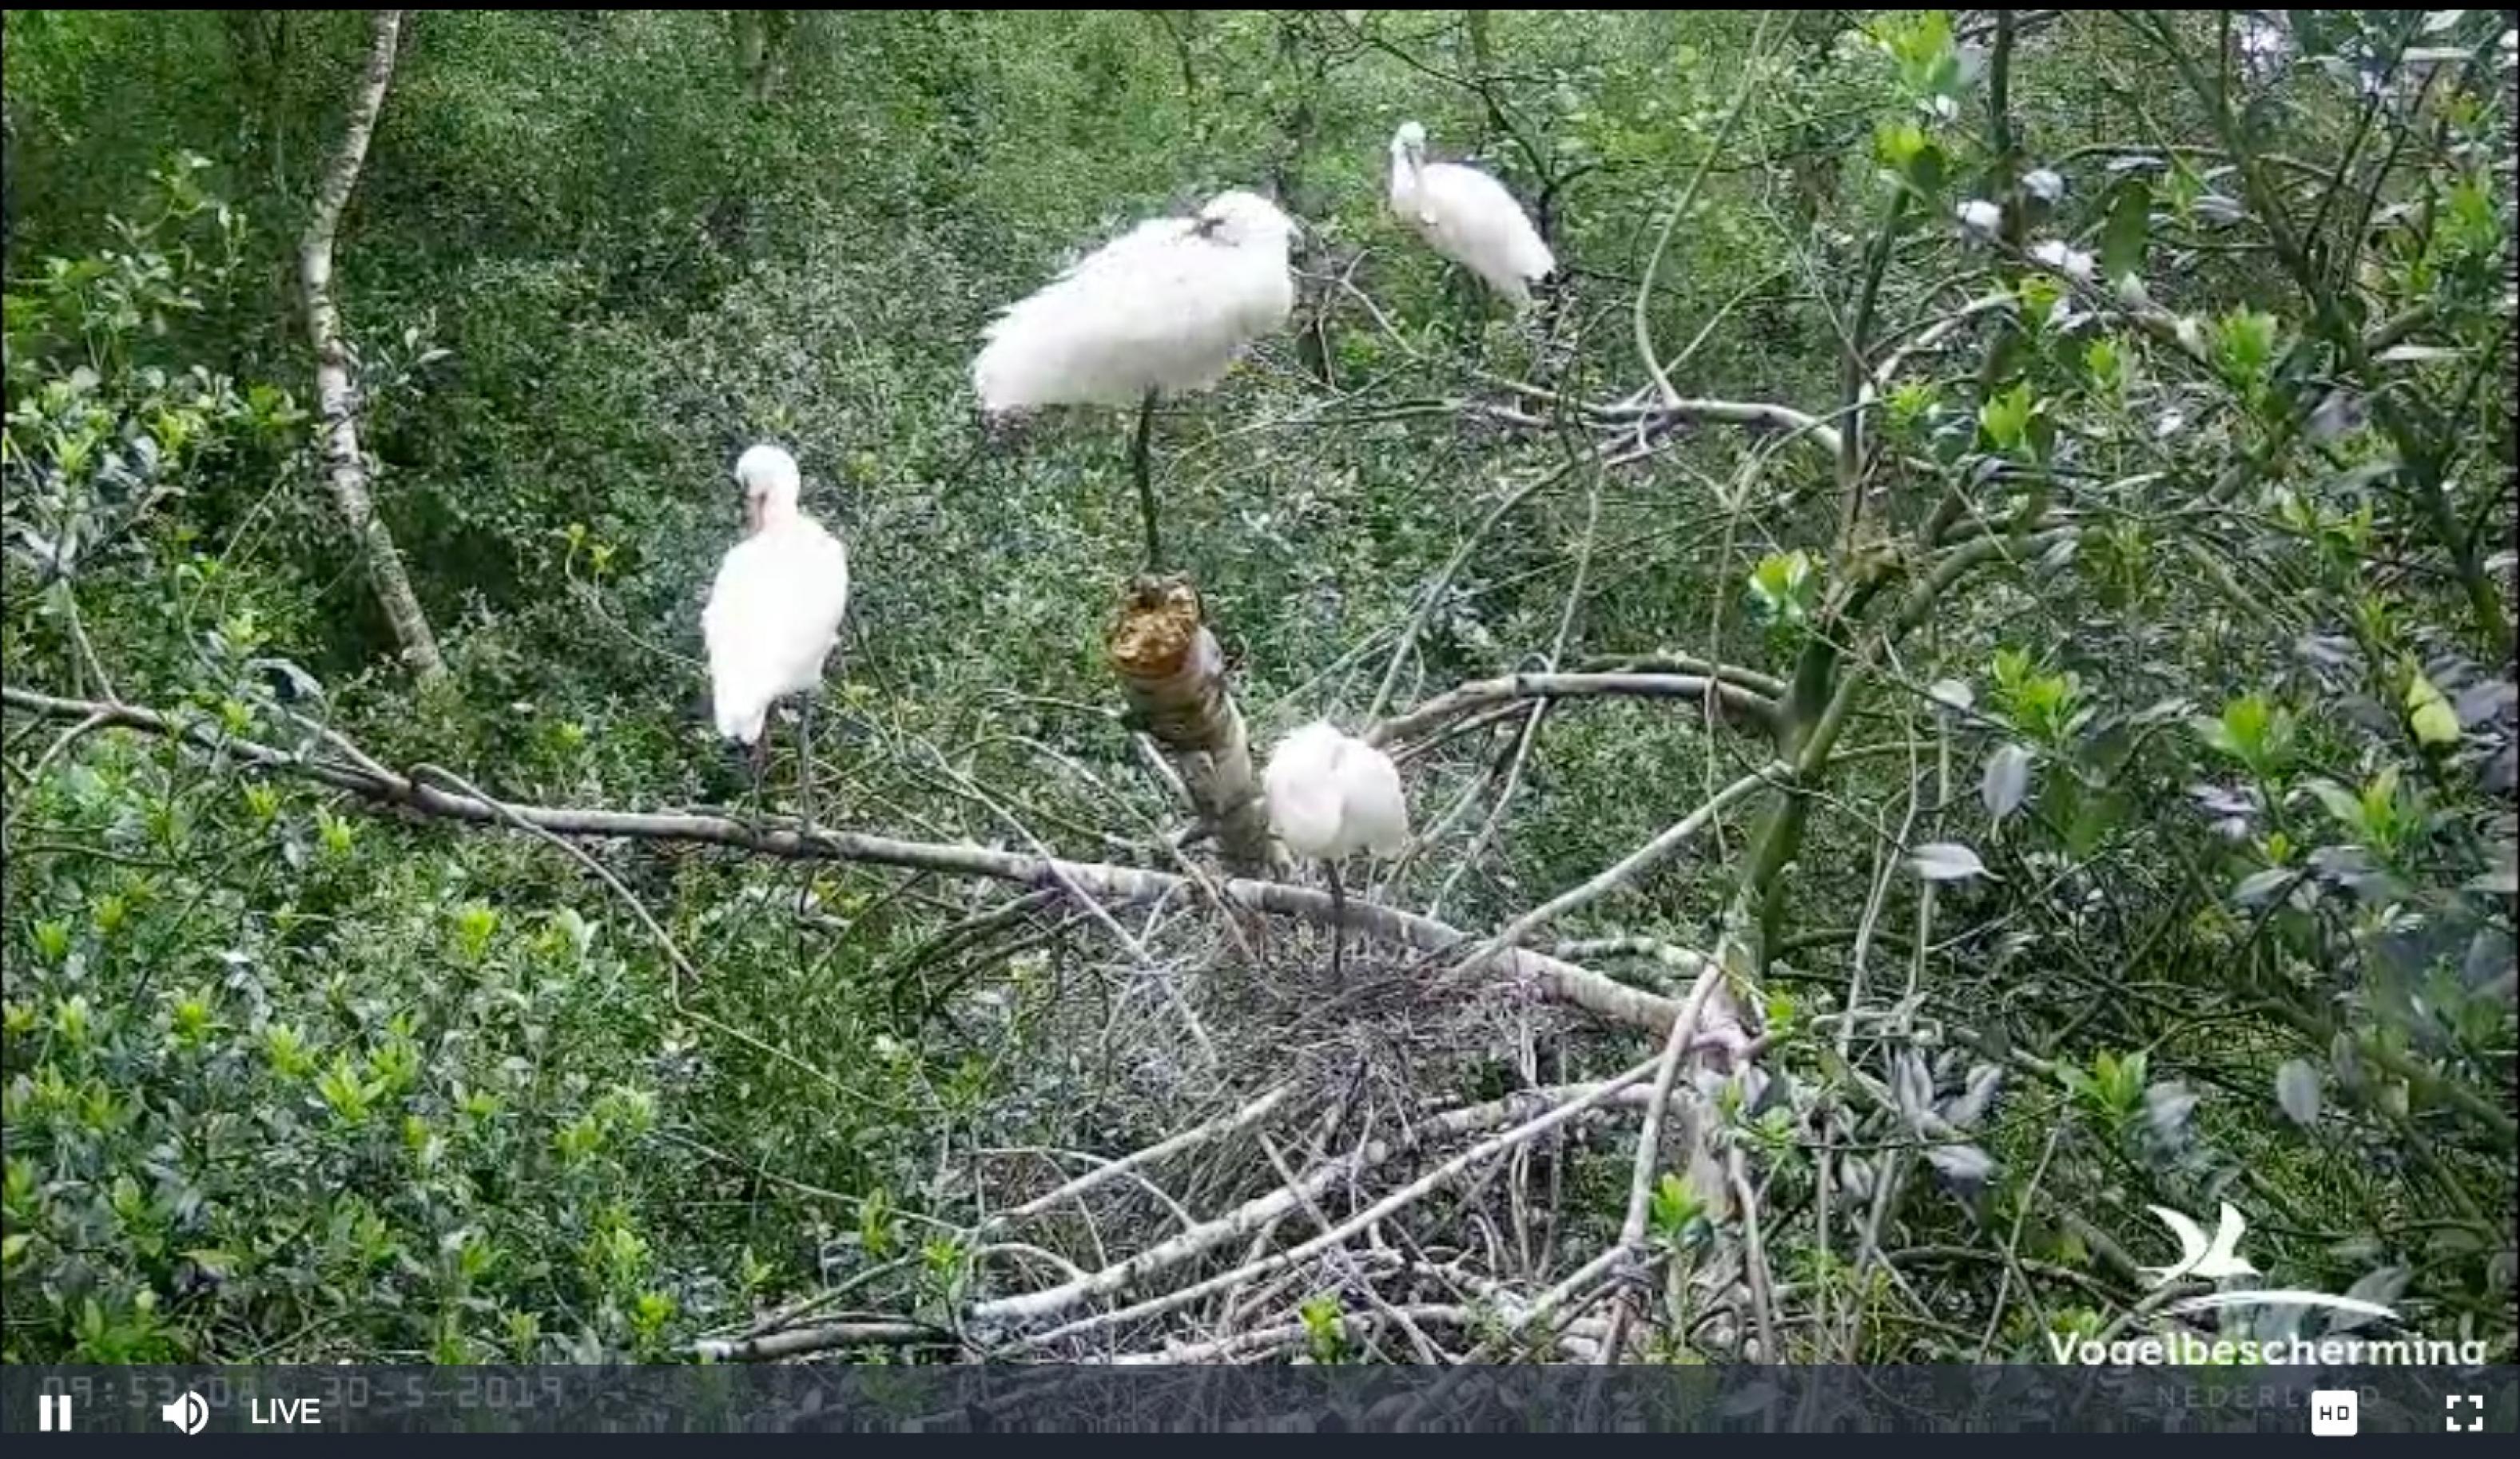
[(1547, 977), (1173, 675), (336, 406)]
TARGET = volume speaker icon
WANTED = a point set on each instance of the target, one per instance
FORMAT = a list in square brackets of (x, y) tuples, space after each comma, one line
[(188, 1413)]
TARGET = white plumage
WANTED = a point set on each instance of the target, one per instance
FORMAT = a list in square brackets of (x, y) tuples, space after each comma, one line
[(774, 613), (1469, 218), (1167, 306), (1330, 794)]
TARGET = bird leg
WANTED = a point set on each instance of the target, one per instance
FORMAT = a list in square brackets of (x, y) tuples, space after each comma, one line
[(1142, 466), (758, 757), (1339, 921), (1469, 298), (805, 761)]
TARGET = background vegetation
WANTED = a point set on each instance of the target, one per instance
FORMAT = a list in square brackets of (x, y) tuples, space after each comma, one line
[(2138, 657)]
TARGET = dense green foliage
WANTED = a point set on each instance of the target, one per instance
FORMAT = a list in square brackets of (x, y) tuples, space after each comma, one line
[(2146, 656)]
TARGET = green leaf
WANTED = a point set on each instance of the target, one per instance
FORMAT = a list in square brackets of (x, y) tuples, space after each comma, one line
[(2094, 819), (2434, 724), (1676, 1207), (2254, 730), (2245, 346), (2129, 225), (1927, 172), (2341, 803), (2005, 418), (1782, 587), (2380, 820), (2434, 721), (2040, 295), (1899, 145), (2106, 365)]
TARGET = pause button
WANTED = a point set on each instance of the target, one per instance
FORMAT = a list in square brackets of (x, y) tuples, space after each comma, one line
[(50, 1407)]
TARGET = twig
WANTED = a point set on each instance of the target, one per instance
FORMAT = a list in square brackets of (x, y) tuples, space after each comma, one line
[(1263, 1213), (1222, 1125), (87, 654), (1688, 195), (1530, 735), (1415, 1190), (1135, 947), (1267, 1340), (1640, 1178), (1426, 1352), (1628, 869), (1484, 693), (2012, 1246), (1493, 691), (1755, 1259), (1433, 592)]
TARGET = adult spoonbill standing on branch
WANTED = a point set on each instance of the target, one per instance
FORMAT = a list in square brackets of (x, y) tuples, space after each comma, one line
[(1330, 797), (774, 613), (1164, 308), (1469, 218)]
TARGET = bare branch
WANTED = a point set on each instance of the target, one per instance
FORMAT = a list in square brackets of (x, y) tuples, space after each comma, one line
[(1549, 977), (1688, 196), (1485, 692), (336, 403), (1640, 1179), (1628, 869), (1485, 1149), (822, 1338), (1199, 1134)]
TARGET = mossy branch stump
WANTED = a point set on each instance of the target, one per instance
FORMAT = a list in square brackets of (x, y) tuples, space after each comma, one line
[(1173, 675)]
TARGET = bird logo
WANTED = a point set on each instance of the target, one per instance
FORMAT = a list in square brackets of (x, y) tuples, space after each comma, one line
[(2197, 1257), (2219, 1257)]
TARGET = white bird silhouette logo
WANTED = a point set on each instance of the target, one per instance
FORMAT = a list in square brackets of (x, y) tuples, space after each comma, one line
[(2197, 1257), (2221, 1258)]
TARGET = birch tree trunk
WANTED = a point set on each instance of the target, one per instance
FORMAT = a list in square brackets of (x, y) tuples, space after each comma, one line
[(1173, 675), (345, 469)]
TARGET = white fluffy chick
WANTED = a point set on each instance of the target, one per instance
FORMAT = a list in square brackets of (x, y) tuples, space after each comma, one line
[(1330, 795)]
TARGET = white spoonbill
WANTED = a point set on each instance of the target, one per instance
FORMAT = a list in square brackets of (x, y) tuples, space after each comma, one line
[(1469, 218), (774, 613), (1330, 797), (1164, 308)]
